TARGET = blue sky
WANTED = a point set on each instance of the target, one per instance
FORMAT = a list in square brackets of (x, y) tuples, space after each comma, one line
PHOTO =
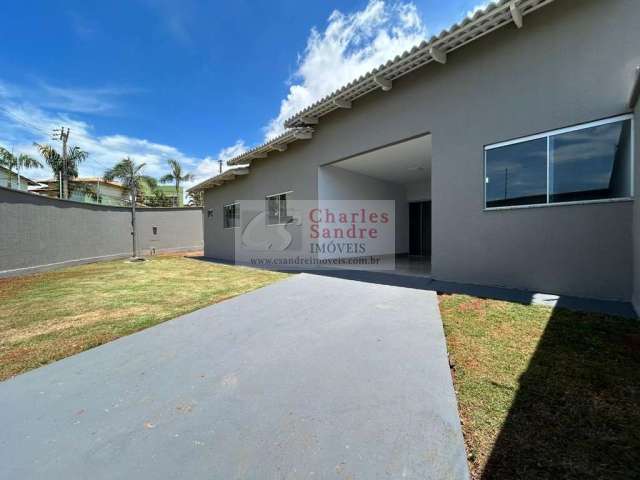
[(193, 80)]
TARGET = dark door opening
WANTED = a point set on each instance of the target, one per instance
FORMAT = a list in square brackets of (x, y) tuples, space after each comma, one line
[(420, 229)]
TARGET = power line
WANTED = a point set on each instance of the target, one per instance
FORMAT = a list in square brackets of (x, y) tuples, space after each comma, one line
[(22, 122)]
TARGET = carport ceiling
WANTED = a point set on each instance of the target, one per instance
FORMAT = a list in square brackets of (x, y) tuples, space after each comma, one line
[(403, 163)]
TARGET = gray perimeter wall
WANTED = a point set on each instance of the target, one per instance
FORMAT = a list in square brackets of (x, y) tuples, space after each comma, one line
[(39, 233), (572, 62)]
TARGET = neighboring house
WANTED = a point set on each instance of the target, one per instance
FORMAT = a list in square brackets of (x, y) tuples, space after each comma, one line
[(9, 177), (87, 190), (169, 192), (507, 143)]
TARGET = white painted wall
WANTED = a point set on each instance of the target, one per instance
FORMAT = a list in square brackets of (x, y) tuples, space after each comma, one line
[(338, 184), (419, 191)]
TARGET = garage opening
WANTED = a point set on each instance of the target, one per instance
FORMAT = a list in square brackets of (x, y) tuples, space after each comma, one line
[(400, 172)]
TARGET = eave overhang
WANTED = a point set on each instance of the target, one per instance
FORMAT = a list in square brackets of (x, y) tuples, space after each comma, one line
[(436, 49), (218, 180), (277, 144)]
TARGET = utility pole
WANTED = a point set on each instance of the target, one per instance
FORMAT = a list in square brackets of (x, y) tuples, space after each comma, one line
[(219, 166), (64, 178)]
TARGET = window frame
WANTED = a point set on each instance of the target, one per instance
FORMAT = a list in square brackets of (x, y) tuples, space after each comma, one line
[(266, 212), (548, 135), (233, 217)]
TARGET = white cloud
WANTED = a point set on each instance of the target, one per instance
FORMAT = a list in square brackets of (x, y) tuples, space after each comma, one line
[(234, 150), (479, 8), (22, 123), (101, 100), (350, 45), (26, 118), (95, 100), (210, 167)]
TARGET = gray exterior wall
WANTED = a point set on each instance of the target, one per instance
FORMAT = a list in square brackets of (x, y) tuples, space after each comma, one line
[(636, 218), (571, 63), (38, 232)]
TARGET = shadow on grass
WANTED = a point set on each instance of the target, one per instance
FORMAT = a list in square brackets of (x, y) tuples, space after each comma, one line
[(576, 413)]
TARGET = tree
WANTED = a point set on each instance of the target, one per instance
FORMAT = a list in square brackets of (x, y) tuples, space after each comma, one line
[(196, 198), (131, 177), (75, 156), (158, 199), (176, 176), (11, 161)]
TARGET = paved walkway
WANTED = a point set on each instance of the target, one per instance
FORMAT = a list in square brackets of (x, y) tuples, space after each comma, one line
[(312, 377)]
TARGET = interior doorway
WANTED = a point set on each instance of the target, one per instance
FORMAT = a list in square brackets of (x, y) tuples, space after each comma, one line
[(400, 172), (420, 229)]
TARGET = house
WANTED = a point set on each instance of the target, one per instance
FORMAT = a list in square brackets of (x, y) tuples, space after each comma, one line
[(508, 144), (86, 190), (10, 179)]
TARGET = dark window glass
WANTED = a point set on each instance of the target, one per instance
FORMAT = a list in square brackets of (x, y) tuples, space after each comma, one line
[(276, 208), (231, 215), (591, 164), (517, 174), (284, 216), (273, 210)]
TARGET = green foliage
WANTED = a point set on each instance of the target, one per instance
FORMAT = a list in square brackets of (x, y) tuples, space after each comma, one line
[(158, 199), (177, 176), (130, 176), (196, 199), (17, 162), (53, 158)]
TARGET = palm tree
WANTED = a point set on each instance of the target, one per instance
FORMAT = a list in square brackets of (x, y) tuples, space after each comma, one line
[(176, 176), (56, 162), (196, 199), (11, 161), (131, 177)]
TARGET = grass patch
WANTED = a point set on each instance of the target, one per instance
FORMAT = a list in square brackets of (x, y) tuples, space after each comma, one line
[(545, 393), (49, 316)]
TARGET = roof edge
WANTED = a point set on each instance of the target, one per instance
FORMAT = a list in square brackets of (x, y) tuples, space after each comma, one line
[(219, 179), (496, 15)]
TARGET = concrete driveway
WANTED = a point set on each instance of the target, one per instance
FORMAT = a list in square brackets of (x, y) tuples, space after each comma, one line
[(310, 378)]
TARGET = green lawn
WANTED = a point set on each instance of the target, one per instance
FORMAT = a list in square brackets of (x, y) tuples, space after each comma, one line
[(545, 393), (49, 316)]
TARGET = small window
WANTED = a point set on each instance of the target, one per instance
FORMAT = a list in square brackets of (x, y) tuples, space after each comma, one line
[(231, 215), (583, 163), (276, 209)]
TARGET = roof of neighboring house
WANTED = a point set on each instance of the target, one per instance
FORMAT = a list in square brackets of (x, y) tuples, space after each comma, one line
[(85, 180), (494, 16), (229, 175), (22, 177)]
